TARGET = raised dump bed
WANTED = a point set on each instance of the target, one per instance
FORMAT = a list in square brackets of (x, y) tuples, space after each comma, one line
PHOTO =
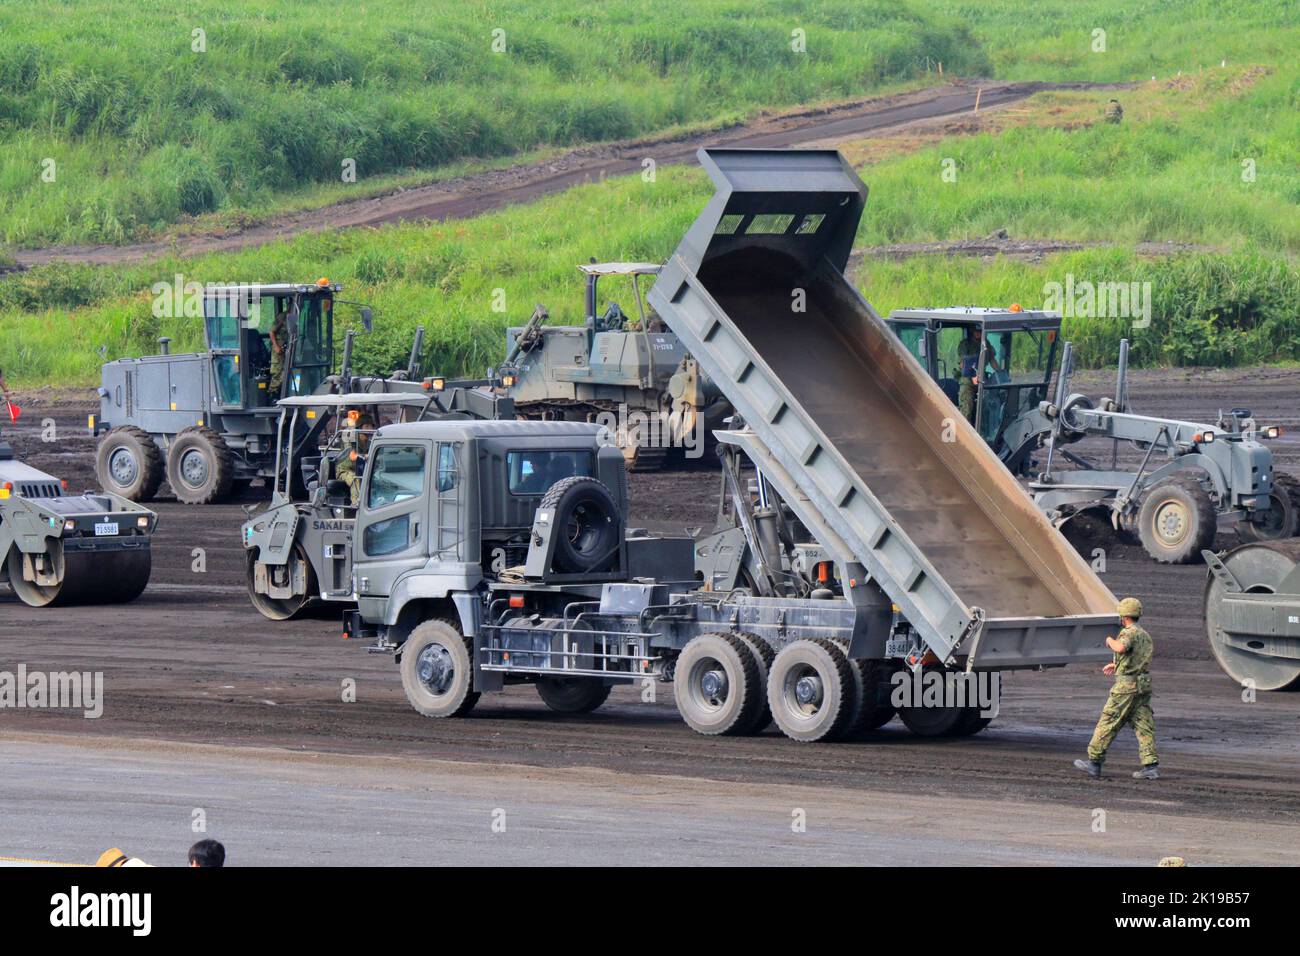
[(856, 431)]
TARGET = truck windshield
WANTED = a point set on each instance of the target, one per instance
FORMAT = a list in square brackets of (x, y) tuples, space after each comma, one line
[(396, 475), (533, 472)]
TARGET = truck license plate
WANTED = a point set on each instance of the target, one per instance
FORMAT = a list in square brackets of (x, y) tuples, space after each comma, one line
[(105, 527)]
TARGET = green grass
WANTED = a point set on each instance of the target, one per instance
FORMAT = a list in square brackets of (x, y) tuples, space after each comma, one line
[(144, 131), (1171, 171)]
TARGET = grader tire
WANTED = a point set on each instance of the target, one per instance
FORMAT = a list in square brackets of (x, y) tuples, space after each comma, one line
[(1177, 520), (199, 466), (1284, 513), (128, 463)]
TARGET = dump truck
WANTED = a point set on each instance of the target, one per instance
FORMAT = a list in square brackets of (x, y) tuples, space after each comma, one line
[(1194, 478), (299, 546), (628, 372), (938, 561), (1252, 613), (205, 421), (60, 549)]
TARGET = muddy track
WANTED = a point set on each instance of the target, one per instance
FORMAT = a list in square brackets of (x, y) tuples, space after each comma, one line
[(191, 662), (474, 194)]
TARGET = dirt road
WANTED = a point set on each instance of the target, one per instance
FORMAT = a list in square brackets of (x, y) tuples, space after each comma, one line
[(190, 667), (474, 194)]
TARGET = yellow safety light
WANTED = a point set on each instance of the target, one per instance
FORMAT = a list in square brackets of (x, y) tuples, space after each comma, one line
[(322, 282), (311, 413)]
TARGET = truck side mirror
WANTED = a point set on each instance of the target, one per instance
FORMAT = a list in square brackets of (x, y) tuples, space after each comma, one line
[(367, 318)]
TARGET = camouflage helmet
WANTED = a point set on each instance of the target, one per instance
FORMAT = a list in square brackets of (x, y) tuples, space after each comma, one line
[(1129, 607)]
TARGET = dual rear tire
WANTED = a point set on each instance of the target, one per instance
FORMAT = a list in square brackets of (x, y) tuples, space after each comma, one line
[(734, 684)]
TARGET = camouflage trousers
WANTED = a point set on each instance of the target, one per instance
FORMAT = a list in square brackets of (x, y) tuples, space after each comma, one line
[(1129, 703), (966, 398), (277, 374)]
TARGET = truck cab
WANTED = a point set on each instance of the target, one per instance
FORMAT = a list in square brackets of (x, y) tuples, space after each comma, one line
[(1015, 365), (447, 506)]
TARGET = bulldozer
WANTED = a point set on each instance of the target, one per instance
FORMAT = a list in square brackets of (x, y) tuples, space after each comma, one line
[(206, 421), (1194, 478), (60, 549), (627, 372)]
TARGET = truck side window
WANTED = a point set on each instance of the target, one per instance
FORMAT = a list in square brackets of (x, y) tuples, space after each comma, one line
[(387, 537), (446, 467), (397, 474), (533, 472)]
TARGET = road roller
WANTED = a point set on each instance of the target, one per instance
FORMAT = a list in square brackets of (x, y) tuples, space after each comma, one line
[(1252, 613), (59, 549)]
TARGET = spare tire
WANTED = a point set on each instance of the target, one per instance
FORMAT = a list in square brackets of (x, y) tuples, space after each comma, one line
[(589, 527)]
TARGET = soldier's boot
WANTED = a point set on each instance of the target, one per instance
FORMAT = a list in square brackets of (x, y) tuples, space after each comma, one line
[(1149, 772), (1090, 767)]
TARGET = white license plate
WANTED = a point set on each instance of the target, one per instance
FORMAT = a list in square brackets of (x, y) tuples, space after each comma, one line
[(105, 527)]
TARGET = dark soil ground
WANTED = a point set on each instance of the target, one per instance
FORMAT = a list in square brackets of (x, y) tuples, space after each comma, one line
[(191, 661)]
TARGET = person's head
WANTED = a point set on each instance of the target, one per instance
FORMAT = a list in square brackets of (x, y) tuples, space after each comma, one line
[(207, 853), (1129, 611)]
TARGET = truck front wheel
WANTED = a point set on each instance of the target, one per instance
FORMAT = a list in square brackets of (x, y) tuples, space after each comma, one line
[(437, 670)]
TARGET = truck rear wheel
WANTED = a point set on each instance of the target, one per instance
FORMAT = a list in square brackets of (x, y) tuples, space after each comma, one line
[(763, 657), (199, 467), (810, 690), (437, 670), (128, 463), (1283, 518), (716, 685), (932, 721), (871, 707), (573, 695), (1177, 520), (970, 723)]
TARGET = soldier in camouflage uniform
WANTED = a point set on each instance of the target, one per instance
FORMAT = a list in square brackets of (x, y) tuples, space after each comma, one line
[(1114, 112), (968, 372), (356, 441), (279, 342), (1130, 696)]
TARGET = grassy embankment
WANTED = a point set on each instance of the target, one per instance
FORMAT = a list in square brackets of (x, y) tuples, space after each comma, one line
[(1171, 172)]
